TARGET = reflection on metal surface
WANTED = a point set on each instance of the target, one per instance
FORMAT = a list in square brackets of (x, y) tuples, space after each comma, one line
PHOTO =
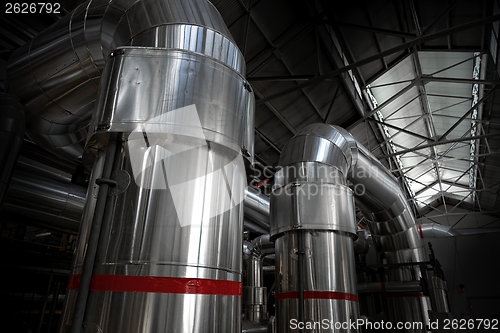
[(170, 247), (257, 207), (313, 224), (56, 75), (54, 204), (377, 194), (254, 292)]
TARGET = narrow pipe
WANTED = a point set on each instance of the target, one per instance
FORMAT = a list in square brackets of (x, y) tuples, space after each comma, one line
[(93, 239), (254, 292), (300, 278)]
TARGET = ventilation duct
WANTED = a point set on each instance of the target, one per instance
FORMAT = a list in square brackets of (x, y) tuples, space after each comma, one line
[(313, 224), (254, 292), (161, 236), (311, 199), (50, 203), (57, 74)]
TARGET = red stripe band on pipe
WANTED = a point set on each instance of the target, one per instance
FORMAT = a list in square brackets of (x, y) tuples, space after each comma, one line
[(420, 231), (318, 295), (74, 282), (162, 284)]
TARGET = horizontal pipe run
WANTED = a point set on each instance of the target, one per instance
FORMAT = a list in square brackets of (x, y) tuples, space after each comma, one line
[(390, 287)]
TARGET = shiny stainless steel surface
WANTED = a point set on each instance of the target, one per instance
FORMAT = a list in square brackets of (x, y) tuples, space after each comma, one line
[(361, 245), (12, 127), (271, 325), (329, 268), (430, 230), (53, 203), (313, 223), (148, 239), (180, 219), (438, 294), (379, 197), (254, 292), (56, 75), (257, 207), (129, 75), (251, 327)]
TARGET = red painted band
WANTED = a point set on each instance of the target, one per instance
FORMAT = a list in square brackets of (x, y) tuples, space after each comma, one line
[(74, 282), (420, 231), (161, 284), (318, 295)]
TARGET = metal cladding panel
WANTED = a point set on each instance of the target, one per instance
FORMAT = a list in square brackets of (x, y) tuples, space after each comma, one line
[(183, 118), (57, 74), (328, 278), (147, 87), (312, 206)]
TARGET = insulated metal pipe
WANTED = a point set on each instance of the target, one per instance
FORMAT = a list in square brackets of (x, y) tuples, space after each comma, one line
[(390, 287), (257, 207), (44, 201), (392, 226), (56, 75), (172, 256), (377, 194), (313, 224), (429, 230), (254, 292)]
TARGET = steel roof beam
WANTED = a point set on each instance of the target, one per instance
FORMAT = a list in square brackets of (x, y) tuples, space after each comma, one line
[(416, 41), (371, 29), (442, 142)]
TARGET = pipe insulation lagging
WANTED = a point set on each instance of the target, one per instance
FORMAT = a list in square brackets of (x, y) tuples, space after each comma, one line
[(328, 156), (56, 75)]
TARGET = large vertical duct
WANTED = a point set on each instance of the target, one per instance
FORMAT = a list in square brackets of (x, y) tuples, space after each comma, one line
[(313, 223), (169, 259), (173, 116), (12, 125), (311, 199)]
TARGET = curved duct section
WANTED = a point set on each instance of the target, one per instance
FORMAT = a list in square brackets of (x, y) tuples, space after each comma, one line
[(12, 126), (57, 74), (431, 230), (328, 156), (313, 225), (257, 207), (254, 292), (48, 202)]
